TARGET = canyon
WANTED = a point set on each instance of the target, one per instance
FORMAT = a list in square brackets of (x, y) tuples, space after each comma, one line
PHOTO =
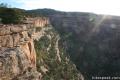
[(91, 40)]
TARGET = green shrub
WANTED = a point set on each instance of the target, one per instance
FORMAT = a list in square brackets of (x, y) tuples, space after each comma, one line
[(11, 15)]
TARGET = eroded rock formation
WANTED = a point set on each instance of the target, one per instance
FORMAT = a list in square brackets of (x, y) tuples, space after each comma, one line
[(38, 21), (17, 52)]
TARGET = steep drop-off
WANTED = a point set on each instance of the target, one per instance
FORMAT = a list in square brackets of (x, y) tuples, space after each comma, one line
[(32, 51), (52, 60)]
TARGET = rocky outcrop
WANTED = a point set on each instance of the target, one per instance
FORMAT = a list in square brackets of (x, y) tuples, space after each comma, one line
[(17, 53)]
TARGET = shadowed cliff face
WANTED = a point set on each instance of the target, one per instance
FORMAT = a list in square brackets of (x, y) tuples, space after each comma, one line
[(92, 42)]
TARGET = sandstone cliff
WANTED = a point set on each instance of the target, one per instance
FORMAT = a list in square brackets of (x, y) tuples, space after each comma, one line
[(18, 60), (17, 53)]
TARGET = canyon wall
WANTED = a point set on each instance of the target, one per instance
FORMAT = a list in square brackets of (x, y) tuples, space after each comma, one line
[(38, 21)]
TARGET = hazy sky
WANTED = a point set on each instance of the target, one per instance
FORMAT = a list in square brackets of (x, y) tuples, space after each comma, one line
[(97, 6)]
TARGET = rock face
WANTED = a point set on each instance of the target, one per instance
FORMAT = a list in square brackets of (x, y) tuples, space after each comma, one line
[(17, 52), (38, 21)]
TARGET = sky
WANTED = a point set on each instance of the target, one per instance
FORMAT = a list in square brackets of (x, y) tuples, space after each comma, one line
[(110, 7)]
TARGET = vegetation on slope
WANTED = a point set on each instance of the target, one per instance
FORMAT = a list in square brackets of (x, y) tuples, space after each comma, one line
[(42, 12), (54, 69)]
